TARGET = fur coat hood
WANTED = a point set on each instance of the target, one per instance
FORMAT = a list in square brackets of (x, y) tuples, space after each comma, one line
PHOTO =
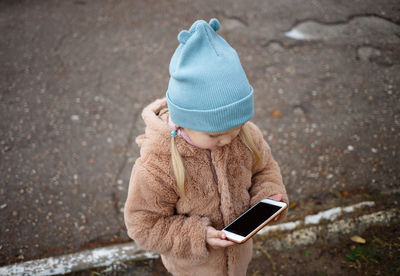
[(219, 186)]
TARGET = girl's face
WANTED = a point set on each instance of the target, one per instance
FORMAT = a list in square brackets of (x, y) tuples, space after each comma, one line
[(212, 140)]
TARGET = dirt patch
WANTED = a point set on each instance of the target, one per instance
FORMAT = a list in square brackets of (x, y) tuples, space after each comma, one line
[(380, 255)]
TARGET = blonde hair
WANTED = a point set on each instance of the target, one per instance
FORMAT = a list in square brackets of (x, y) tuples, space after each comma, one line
[(179, 167)]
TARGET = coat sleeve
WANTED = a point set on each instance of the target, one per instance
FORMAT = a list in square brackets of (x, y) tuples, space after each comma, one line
[(151, 219), (267, 178)]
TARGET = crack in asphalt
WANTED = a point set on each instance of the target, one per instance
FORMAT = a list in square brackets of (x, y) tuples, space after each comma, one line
[(288, 45), (60, 42), (127, 144), (124, 161), (356, 29), (231, 17), (340, 22)]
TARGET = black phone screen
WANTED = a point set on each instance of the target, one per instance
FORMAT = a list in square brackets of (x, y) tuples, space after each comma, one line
[(252, 218)]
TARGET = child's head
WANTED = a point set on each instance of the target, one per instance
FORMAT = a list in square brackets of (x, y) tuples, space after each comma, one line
[(208, 90)]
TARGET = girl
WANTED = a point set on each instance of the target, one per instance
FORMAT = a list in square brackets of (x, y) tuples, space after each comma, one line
[(202, 163)]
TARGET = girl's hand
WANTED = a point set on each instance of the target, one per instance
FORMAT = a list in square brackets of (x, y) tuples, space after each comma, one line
[(217, 239), (277, 197)]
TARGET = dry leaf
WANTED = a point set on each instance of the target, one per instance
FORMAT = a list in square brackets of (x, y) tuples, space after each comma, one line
[(276, 113), (292, 205), (290, 69), (358, 239)]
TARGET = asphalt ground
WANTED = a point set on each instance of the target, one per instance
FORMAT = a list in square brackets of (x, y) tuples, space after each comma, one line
[(76, 75)]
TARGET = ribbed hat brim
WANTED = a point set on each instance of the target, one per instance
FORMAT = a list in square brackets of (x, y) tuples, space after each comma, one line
[(213, 120)]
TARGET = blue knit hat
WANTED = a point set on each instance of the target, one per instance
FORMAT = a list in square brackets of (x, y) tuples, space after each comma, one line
[(208, 90)]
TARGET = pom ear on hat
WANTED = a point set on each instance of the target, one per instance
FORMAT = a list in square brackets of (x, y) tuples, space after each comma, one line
[(184, 35), (214, 23)]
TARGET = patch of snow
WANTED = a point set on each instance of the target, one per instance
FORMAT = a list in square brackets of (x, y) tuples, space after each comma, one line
[(296, 34)]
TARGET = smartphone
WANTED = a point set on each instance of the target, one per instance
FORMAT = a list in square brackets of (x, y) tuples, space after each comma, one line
[(253, 220)]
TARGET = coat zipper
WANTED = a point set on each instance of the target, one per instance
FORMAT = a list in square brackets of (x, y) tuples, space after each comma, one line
[(216, 182), (213, 170)]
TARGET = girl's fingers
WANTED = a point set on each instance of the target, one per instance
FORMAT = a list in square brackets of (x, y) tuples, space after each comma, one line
[(213, 233), (217, 238), (225, 243), (277, 197), (221, 243)]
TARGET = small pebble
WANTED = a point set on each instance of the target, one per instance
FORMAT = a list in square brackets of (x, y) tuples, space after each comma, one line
[(75, 118)]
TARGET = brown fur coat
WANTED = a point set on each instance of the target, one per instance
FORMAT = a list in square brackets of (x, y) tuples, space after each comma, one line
[(161, 221)]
